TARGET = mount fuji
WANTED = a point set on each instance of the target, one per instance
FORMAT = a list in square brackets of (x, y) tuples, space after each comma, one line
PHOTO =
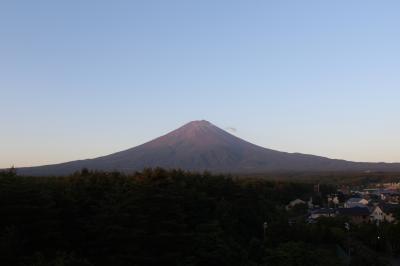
[(199, 146)]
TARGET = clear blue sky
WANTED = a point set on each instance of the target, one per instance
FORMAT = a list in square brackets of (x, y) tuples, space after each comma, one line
[(79, 79)]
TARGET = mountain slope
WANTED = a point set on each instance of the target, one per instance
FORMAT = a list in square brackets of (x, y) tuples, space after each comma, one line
[(199, 145)]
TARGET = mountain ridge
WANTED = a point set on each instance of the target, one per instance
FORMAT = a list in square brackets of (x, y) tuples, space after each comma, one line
[(199, 146)]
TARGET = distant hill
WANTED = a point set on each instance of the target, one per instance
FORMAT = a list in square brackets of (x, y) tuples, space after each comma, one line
[(199, 146)]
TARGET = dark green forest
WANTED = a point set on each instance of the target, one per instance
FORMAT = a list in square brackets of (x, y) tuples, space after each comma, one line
[(159, 217), (353, 178)]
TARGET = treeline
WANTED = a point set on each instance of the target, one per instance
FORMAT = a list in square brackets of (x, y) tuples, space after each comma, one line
[(158, 217), (354, 178)]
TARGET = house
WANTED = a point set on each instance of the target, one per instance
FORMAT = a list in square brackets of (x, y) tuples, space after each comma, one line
[(345, 190), (355, 202), (357, 215), (369, 191), (324, 212), (333, 200), (377, 215), (390, 196), (384, 212), (393, 186), (310, 203), (294, 203)]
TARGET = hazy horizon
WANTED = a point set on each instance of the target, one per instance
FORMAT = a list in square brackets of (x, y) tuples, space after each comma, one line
[(82, 80)]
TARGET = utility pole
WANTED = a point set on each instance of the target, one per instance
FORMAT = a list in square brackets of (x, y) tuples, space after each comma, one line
[(347, 226), (265, 227)]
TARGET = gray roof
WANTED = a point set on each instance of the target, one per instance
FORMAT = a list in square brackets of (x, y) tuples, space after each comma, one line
[(389, 208), (356, 211), (354, 200)]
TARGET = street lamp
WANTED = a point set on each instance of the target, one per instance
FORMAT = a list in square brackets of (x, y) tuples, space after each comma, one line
[(377, 242)]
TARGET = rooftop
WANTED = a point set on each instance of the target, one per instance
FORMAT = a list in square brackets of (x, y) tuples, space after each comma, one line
[(356, 211)]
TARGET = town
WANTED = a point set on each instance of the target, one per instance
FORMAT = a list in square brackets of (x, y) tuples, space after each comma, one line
[(375, 204)]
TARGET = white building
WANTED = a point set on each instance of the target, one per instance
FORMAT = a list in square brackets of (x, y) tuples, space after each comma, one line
[(356, 202), (294, 203), (384, 213)]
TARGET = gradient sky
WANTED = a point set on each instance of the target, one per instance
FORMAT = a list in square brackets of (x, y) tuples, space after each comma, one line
[(79, 79)]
